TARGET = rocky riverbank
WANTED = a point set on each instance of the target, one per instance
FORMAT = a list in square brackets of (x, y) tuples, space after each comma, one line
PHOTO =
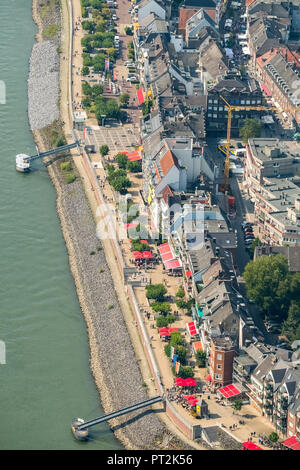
[(113, 362)]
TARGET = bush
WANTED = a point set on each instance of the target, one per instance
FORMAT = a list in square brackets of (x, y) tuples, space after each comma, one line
[(70, 178), (109, 306), (92, 253), (201, 358), (122, 160), (66, 166), (134, 167), (180, 293), (51, 31)]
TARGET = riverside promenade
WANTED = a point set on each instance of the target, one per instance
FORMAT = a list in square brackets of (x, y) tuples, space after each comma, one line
[(184, 422)]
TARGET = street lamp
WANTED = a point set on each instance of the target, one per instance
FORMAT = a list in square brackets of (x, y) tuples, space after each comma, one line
[(103, 116)]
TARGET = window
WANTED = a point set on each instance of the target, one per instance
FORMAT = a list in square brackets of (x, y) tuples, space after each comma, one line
[(221, 108), (215, 101), (219, 367), (210, 100), (247, 101), (218, 376), (209, 107), (219, 357), (215, 108), (242, 101), (215, 116), (253, 102), (209, 115)]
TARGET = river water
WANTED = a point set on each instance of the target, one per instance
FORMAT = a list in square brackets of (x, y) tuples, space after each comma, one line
[(46, 381)]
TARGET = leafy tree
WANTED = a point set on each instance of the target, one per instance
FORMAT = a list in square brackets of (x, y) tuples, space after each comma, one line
[(185, 372), (104, 150), (182, 304), (121, 183), (180, 293), (156, 292), (161, 307), (164, 321), (122, 160), (128, 31), (85, 71), (124, 99), (252, 128), (273, 437), (263, 277), (201, 358), (256, 242), (237, 404), (134, 167), (176, 339), (88, 26), (291, 326), (181, 353)]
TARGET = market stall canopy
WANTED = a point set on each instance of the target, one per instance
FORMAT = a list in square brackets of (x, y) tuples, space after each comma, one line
[(173, 264), (191, 399), (127, 226), (188, 273), (191, 327), (140, 96), (166, 331), (292, 443), (251, 446), (190, 382), (208, 378), (229, 391), (180, 382)]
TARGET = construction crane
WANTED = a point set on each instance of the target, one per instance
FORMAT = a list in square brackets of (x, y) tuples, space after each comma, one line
[(231, 108)]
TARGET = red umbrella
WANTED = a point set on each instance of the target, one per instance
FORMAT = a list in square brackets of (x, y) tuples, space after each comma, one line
[(190, 382), (179, 382), (147, 255)]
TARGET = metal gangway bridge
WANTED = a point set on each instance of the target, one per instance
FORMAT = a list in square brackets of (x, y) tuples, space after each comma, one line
[(80, 427), (23, 161)]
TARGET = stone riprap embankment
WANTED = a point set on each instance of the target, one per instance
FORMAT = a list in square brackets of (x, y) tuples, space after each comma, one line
[(43, 85), (115, 358)]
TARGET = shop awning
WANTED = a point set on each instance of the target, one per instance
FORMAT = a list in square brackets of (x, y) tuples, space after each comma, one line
[(192, 328), (164, 248), (197, 345), (229, 391), (168, 256), (292, 443), (173, 264), (208, 378), (140, 96), (265, 89), (251, 446)]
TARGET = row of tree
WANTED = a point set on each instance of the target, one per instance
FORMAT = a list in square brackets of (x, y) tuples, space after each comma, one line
[(276, 291)]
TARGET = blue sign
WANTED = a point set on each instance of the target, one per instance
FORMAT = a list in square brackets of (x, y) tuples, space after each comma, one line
[(175, 357)]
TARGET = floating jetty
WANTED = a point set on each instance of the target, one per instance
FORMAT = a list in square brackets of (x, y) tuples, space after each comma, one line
[(80, 427), (23, 161)]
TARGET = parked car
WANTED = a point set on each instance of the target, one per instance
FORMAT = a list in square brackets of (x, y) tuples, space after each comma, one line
[(130, 10), (249, 241), (114, 17), (131, 79), (249, 234), (240, 145), (246, 223), (128, 63)]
